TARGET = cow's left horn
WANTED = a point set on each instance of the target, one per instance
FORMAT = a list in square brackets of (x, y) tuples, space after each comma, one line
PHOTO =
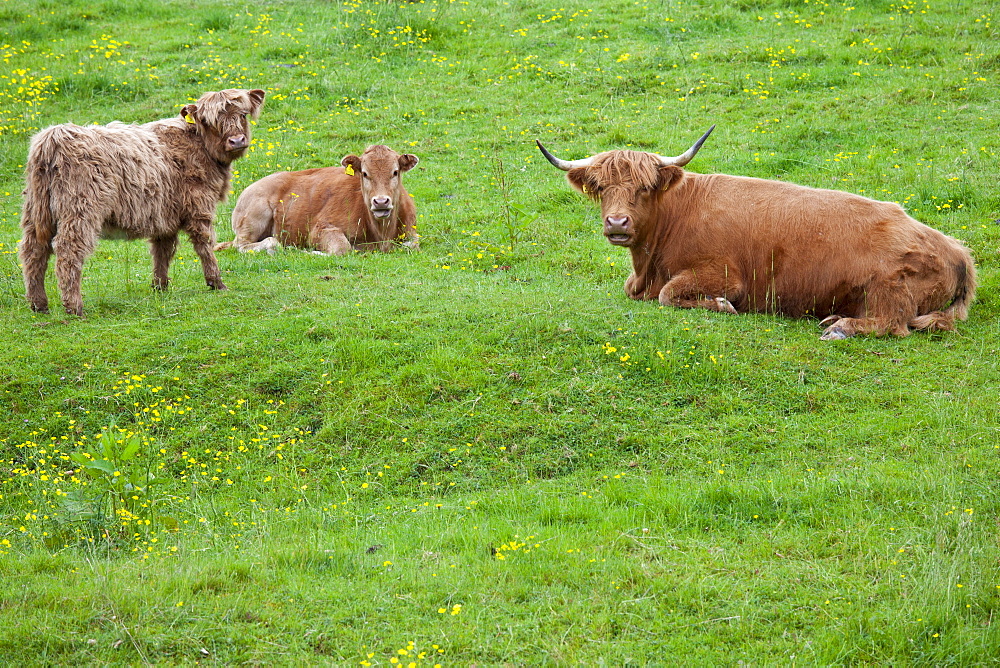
[(564, 165), (685, 157)]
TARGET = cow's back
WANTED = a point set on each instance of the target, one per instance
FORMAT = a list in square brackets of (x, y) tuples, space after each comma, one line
[(108, 176)]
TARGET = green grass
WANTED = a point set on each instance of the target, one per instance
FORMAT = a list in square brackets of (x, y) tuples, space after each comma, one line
[(346, 449)]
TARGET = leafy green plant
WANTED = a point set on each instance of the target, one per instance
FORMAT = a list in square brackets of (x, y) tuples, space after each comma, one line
[(515, 220), (118, 490)]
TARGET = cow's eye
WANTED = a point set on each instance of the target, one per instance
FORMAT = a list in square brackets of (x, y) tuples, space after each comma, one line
[(364, 175), (396, 173)]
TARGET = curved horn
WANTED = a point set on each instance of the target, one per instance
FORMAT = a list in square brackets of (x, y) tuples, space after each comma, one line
[(564, 165), (685, 157)]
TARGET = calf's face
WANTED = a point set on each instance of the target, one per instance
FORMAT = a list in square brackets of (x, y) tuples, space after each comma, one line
[(223, 121), (381, 172)]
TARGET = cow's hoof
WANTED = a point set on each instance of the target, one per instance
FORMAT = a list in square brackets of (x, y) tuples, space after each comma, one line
[(217, 285), (833, 334), (725, 306), (40, 308)]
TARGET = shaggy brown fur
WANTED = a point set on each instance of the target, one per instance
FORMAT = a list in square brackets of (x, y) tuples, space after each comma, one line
[(737, 244), (327, 209), (133, 181)]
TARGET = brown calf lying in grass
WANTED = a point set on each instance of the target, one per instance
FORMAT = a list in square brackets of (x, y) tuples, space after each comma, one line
[(360, 205)]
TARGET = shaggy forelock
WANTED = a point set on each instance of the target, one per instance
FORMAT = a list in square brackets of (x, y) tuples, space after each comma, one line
[(629, 169), (215, 107)]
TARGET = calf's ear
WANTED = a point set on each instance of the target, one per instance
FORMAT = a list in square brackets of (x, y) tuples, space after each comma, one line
[(407, 161), (256, 100), (669, 176), (352, 163), (190, 113)]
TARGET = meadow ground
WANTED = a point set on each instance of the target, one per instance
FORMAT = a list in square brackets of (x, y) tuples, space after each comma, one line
[(482, 452)]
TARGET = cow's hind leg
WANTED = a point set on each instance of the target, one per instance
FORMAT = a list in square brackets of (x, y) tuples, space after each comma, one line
[(888, 307), (253, 223), (712, 288), (34, 263), (845, 328), (202, 237), (73, 244), (162, 250), (267, 245)]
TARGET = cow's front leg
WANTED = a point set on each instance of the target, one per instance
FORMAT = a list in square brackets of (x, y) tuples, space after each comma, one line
[(332, 241), (709, 288), (642, 288), (410, 237), (162, 250), (202, 237)]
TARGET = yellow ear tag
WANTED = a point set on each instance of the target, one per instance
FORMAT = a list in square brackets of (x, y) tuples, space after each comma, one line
[(188, 118), (349, 170), (584, 188)]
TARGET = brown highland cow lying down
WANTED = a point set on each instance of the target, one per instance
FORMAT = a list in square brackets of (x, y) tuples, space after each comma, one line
[(737, 245), (361, 205), (134, 181)]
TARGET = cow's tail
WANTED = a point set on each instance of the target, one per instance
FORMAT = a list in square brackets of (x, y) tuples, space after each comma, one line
[(37, 222), (224, 245), (965, 292)]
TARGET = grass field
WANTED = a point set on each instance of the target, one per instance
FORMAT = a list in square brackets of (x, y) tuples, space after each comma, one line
[(483, 452)]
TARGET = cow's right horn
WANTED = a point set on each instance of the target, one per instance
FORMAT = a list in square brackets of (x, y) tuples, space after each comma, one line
[(564, 165), (685, 157)]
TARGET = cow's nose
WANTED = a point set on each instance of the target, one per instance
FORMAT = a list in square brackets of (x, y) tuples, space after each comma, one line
[(617, 223), (237, 141), (381, 202)]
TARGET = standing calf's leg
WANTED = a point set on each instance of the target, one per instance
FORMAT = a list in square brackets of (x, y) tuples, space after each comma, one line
[(162, 250), (35, 262), (73, 245), (203, 239), (710, 288)]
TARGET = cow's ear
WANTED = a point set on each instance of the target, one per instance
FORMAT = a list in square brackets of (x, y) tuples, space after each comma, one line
[(190, 113), (256, 101), (669, 176), (407, 161), (576, 178), (351, 163)]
